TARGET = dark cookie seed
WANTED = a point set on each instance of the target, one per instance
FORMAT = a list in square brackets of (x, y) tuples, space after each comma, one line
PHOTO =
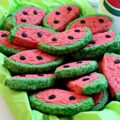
[(66, 66), (54, 39), (92, 42), (39, 57), (72, 98), (69, 8), (22, 58), (52, 96), (71, 37), (56, 21), (117, 61), (85, 79), (4, 35), (25, 13), (24, 35), (23, 20), (107, 36), (77, 30), (39, 34), (82, 21), (101, 20), (57, 13), (35, 12)]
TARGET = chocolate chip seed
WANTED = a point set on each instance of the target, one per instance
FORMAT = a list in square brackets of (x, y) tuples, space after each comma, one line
[(39, 34), (92, 42), (25, 13), (57, 13), (85, 79), (72, 98), (71, 37), (39, 57), (54, 39), (117, 61), (52, 96), (4, 35), (56, 21), (69, 8), (107, 36), (66, 66), (22, 58), (35, 12), (101, 20), (82, 21), (23, 20), (24, 35), (77, 30)]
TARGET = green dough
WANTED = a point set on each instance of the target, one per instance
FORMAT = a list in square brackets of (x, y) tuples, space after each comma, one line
[(19, 68), (56, 109), (72, 72), (30, 83)]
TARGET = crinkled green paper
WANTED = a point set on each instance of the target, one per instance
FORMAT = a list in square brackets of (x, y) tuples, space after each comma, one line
[(17, 101)]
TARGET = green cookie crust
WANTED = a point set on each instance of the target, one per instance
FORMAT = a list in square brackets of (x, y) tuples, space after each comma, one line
[(19, 68), (14, 30), (10, 21), (30, 83), (76, 71), (69, 25), (61, 50), (102, 103), (55, 109), (8, 51), (98, 51), (95, 86)]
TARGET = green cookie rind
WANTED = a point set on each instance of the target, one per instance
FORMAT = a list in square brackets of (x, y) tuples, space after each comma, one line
[(55, 109), (19, 68), (10, 21), (14, 30), (76, 71), (102, 103), (69, 25), (30, 83), (95, 86), (61, 50), (117, 96), (8, 51), (98, 51)]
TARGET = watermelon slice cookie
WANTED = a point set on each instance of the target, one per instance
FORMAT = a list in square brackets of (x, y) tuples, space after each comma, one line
[(6, 47), (66, 42), (96, 23), (61, 16), (32, 61), (100, 99), (60, 102), (25, 15), (29, 35), (31, 81), (111, 70), (89, 84), (76, 69), (99, 45)]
